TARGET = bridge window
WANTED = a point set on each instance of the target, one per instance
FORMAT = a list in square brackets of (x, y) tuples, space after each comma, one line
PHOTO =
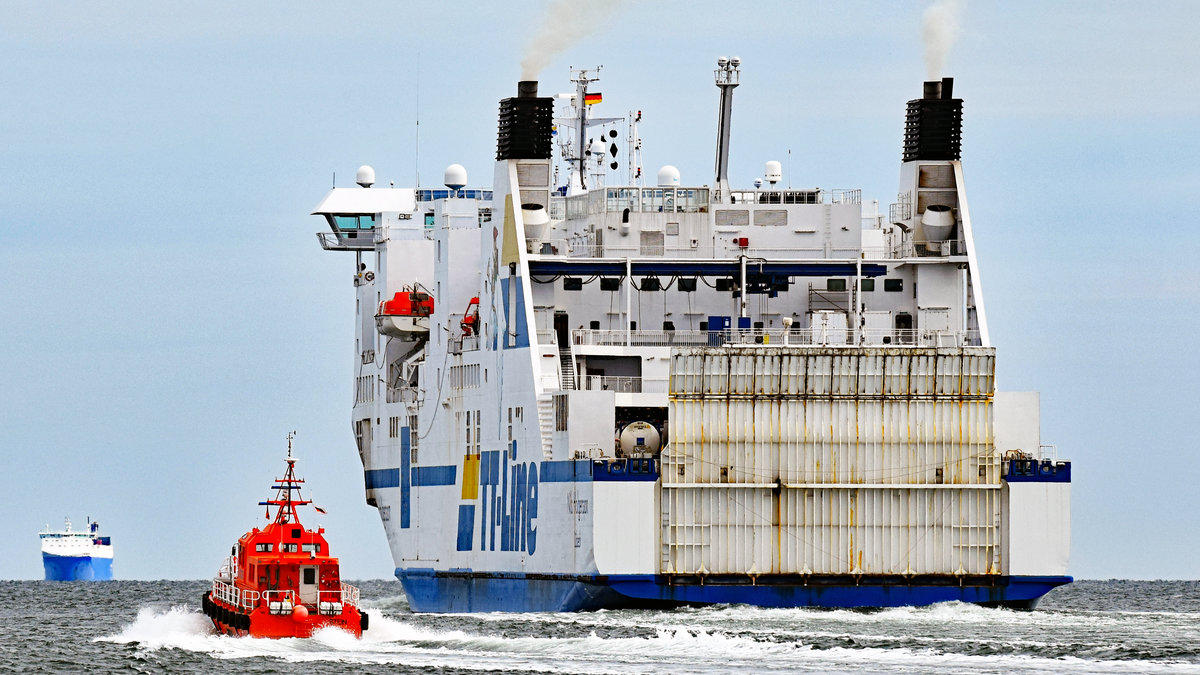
[(893, 285), (356, 221), (264, 548), (290, 548), (311, 548), (835, 284), (866, 285)]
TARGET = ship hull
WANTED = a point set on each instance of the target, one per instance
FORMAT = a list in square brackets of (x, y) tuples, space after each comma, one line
[(458, 591), (76, 568)]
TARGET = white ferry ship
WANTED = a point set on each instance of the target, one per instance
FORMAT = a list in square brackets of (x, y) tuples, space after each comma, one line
[(73, 555), (575, 394)]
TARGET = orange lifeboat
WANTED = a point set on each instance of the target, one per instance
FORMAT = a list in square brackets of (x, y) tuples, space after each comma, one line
[(280, 581), (406, 315)]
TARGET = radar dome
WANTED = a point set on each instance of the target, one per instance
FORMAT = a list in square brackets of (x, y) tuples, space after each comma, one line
[(365, 176), (668, 176), (640, 437), (773, 172), (455, 177), (735, 61), (722, 61)]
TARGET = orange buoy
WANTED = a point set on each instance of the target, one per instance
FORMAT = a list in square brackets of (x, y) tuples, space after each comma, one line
[(299, 612)]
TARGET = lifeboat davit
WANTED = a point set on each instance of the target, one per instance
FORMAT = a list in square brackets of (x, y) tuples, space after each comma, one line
[(406, 315), (280, 581)]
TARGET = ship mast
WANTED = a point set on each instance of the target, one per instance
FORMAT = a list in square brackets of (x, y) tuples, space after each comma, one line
[(727, 78), (285, 505)]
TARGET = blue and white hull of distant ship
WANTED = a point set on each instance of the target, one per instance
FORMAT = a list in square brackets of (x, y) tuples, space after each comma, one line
[(70, 555)]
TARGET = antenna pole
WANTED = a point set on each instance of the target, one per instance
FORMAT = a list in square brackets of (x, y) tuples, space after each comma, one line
[(417, 143)]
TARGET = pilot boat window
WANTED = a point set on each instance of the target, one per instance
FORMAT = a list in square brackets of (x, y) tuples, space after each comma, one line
[(311, 548), (263, 548), (290, 548), (296, 532), (310, 575)]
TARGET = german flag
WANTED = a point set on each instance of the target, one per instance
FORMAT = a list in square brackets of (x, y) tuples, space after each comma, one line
[(589, 99)]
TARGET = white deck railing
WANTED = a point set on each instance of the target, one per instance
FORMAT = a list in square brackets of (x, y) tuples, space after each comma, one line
[(760, 336), (276, 600)]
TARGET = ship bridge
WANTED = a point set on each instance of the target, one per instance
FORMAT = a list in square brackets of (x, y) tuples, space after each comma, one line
[(356, 216)]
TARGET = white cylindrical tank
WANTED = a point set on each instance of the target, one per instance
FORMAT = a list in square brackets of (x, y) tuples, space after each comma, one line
[(668, 176), (365, 176), (536, 220), (773, 172), (455, 177), (640, 437), (938, 222)]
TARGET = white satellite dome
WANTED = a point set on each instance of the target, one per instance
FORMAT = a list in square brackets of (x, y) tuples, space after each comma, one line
[(668, 176), (773, 172), (455, 177), (365, 176)]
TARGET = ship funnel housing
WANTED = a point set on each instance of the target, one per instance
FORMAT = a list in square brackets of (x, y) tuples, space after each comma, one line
[(526, 124), (933, 125)]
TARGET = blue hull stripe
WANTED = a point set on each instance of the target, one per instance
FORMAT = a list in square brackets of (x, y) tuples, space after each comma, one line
[(77, 568), (434, 475), (566, 471), (382, 478), (463, 591)]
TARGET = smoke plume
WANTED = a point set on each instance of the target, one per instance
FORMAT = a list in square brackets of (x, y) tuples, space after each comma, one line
[(565, 22), (939, 31)]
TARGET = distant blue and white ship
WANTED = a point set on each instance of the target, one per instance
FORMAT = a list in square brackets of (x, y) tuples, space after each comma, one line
[(71, 555)]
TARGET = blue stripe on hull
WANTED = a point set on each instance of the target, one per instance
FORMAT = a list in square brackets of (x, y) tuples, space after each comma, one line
[(430, 591), (77, 568)]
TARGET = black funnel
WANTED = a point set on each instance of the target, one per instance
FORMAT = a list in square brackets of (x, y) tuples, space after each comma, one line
[(526, 124), (933, 125)]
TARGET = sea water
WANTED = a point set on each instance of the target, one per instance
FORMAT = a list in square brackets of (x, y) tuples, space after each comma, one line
[(149, 627)]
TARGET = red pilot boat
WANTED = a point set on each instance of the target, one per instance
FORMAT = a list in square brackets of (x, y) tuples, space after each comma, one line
[(280, 581)]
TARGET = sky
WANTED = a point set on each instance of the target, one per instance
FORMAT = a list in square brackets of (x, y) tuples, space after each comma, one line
[(167, 315)]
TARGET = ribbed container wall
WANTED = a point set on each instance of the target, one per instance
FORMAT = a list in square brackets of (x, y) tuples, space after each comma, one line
[(793, 460)]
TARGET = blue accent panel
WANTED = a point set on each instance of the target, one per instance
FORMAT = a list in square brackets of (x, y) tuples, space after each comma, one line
[(625, 470), (434, 475), (566, 471), (378, 478), (714, 268), (469, 591), (405, 477), (466, 527), (1033, 471), (522, 335), (76, 568), (489, 468)]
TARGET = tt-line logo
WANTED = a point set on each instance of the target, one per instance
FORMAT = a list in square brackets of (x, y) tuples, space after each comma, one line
[(507, 504)]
